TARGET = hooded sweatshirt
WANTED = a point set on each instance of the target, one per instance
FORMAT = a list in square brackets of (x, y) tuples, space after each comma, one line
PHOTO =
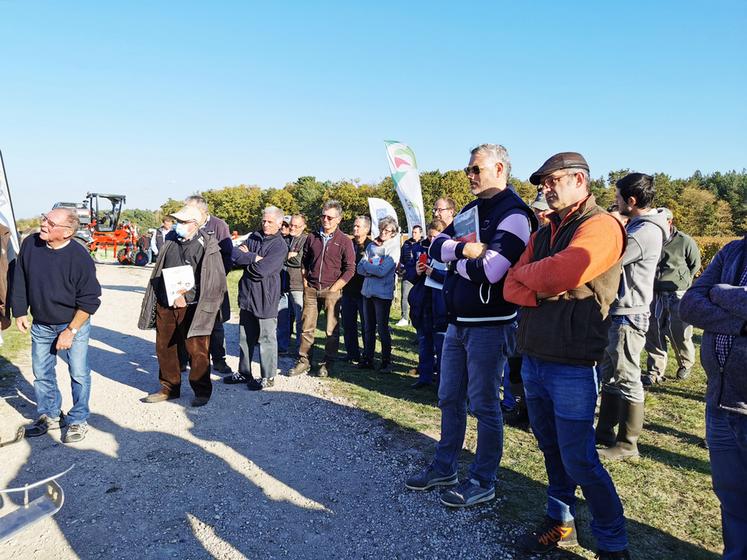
[(646, 235)]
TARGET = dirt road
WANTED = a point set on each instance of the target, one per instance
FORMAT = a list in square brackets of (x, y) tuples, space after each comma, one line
[(286, 473)]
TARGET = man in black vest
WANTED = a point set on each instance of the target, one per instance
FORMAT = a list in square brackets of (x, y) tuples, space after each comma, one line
[(482, 325)]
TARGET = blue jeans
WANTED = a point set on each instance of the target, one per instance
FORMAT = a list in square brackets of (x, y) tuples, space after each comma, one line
[(560, 400), (43, 362), (726, 433), (471, 365), (430, 346), (351, 310), (290, 310)]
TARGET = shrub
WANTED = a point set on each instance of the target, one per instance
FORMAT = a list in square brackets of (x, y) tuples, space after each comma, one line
[(709, 246)]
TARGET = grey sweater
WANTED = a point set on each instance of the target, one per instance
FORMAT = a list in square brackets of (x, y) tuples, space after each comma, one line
[(717, 305), (646, 235)]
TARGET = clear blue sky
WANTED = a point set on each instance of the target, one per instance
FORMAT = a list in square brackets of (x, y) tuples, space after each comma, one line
[(160, 99)]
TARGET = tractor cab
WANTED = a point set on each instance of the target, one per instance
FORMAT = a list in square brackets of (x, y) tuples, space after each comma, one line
[(105, 210)]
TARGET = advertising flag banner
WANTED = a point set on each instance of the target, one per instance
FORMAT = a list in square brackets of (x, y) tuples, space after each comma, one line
[(7, 217), (406, 177), (379, 208)]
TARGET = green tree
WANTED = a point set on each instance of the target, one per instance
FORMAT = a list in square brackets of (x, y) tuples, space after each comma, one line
[(144, 219), (282, 199), (171, 206), (703, 214), (240, 206)]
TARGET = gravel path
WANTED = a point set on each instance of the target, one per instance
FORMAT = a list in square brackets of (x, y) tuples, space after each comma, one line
[(291, 472)]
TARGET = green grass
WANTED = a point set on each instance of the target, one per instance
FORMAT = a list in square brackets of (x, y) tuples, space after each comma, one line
[(14, 345)]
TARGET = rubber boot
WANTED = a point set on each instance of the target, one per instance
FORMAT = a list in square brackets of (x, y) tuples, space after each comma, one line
[(609, 416), (631, 424)]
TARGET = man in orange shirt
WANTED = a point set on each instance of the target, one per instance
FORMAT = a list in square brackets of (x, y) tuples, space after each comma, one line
[(565, 282)]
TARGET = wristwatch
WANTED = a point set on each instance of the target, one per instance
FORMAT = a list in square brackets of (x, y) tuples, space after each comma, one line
[(73, 330)]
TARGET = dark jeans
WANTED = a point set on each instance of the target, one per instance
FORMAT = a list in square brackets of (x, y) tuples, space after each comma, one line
[(471, 366), (352, 309), (172, 326), (560, 400), (376, 320), (726, 433), (253, 331), (430, 345), (290, 310)]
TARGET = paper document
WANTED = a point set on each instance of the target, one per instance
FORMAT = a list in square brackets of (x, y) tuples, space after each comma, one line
[(430, 282), (467, 226), (177, 281)]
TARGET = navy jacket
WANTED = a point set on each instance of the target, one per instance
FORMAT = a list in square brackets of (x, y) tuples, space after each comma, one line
[(477, 301), (424, 299), (715, 304), (259, 287)]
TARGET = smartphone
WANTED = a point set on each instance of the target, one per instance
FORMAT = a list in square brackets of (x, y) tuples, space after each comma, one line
[(423, 258)]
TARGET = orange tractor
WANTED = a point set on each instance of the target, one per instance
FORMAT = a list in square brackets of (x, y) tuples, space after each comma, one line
[(106, 231)]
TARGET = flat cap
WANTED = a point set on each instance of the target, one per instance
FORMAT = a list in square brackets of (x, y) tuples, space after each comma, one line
[(563, 160)]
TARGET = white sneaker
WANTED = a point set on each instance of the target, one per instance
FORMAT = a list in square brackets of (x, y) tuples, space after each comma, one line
[(403, 323)]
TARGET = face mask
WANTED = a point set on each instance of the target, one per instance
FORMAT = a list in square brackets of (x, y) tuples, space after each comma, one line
[(182, 230)]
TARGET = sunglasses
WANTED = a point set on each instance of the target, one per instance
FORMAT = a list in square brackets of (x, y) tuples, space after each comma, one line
[(328, 217), (473, 169)]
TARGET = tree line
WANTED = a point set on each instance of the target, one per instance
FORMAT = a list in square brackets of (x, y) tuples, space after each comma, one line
[(703, 205)]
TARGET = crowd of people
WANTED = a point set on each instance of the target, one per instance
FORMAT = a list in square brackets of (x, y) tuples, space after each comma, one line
[(542, 315)]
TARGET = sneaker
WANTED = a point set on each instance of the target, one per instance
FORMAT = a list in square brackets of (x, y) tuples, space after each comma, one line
[(549, 534), (648, 379), (301, 367), (222, 367), (403, 323), (429, 478), (76, 433), (683, 372), (43, 424), (235, 378), (325, 369), (617, 555), (259, 384), (468, 493), (420, 385)]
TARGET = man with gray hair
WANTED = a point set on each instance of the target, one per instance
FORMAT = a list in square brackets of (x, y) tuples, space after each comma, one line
[(328, 264), (485, 239), (214, 226), (262, 256), (56, 278)]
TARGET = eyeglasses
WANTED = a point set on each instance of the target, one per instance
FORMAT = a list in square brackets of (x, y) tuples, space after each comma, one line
[(50, 223), (328, 217), (389, 230), (550, 181), (439, 210)]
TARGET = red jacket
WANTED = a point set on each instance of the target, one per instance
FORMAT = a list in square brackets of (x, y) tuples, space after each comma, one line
[(325, 265)]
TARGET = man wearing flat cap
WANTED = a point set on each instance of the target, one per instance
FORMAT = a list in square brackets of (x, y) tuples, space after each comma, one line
[(565, 283), (184, 316)]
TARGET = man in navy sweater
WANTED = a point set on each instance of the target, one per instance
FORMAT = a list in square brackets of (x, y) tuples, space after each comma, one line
[(56, 278), (262, 255), (482, 327)]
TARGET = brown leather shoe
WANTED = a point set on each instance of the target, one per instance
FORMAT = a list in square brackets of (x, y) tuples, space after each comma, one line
[(159, 396)]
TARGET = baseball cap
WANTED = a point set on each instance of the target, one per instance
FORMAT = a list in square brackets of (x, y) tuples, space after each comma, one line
[(188, 214)]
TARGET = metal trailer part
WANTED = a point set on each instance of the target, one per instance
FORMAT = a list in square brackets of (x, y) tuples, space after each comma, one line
[(30, 512)]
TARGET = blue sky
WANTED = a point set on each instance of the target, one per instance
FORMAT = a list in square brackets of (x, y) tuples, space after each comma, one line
[(160, 99)]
